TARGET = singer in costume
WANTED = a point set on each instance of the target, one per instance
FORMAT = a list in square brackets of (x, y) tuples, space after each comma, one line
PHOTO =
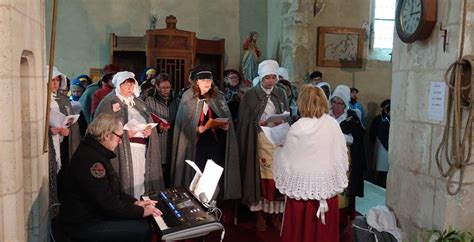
[(192, 141), (310, 169), (138, 156)]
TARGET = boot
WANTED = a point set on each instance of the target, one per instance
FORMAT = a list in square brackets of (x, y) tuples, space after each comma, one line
[(275, 219), (261, 223)]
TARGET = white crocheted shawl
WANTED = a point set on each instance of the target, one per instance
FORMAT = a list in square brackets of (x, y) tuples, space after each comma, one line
[(313, 163)]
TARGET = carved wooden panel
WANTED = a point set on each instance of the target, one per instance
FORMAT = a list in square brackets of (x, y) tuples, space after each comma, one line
[(170, 42), (176, 69)]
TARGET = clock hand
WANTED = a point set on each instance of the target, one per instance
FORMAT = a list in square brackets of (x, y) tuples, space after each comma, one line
[(413, 13)]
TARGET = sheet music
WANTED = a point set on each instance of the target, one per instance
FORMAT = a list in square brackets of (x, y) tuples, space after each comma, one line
[(198, 174), (212, 123), (207, 181), (277, 134), (278, 117), (137, 126), (59, 120), (76, 107)]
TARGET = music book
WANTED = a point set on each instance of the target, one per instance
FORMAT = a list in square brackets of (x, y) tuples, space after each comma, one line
[(277, 134), (217, 122), (278, 117), (205, 182), (59, 120), (137, 126), (161, 121)]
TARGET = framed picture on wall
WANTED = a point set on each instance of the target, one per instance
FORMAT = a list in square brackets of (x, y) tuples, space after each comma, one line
[(340, 47)]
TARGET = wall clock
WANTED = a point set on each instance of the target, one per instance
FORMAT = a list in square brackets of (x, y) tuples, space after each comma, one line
[(415, 19)]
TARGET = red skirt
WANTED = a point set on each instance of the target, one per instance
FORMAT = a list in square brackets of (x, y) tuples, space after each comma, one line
[(300, 223)]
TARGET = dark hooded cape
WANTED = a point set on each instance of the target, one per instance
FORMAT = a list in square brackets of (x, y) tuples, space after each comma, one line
[(250, 110), (123, 162), (185, 139)]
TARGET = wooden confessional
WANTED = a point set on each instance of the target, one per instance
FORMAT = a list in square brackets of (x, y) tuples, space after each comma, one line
[(171, 51)]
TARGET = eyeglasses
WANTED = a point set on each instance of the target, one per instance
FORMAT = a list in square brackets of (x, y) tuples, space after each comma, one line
[(338, 103), (119, 136)]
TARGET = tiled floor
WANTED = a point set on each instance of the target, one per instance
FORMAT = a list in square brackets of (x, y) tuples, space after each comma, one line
[(373, 196)]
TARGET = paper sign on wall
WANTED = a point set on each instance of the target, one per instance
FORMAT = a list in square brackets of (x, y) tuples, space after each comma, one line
[(436, 101)]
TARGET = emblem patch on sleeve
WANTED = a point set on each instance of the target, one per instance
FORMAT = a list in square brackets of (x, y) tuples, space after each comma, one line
[(98, 170)]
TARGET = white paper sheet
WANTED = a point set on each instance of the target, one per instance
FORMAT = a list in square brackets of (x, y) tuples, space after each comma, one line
[(277, 135), (59, 120), (76, 107), (436, 101), (207, 181), (137, 126), (278, 117)]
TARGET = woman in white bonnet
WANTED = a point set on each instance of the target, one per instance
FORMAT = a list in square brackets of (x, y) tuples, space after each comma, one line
[(63, 141), (258, 103), (353, 130), (137, 162)]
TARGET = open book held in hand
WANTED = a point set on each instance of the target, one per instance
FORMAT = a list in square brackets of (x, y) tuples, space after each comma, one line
[(161, 121), (217, 122), (205, 182), (278, 117), (276, 135), (137, 126), (59, 120)]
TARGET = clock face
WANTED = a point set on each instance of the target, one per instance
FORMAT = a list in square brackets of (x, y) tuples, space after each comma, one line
[(410, 15)]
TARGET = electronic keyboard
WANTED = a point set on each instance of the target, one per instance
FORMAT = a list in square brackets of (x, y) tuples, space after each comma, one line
[(184, 216)]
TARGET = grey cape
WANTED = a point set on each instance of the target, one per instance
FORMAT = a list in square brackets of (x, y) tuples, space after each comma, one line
[(123, 162), (250, 110), (184, 143), (74, 138)]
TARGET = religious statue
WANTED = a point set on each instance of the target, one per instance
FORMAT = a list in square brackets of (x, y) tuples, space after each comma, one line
[(251, 55)]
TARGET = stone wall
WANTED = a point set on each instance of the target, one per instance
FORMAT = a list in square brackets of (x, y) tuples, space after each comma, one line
[(415, 189), (299, 48), (23, 165)]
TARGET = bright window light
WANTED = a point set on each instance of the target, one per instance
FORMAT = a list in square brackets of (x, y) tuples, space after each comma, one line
[(384, 23)]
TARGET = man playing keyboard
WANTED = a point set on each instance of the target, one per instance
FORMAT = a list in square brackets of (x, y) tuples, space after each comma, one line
[(93, 205)]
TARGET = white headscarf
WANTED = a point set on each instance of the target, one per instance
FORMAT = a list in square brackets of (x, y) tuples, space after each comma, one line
[(121, 77), (322, 84), (267, 67), (56, 72), (282, 71), (344, 93)]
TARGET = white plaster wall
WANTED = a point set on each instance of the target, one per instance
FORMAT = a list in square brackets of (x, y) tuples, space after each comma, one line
[(23, 171), (274, 29), (84, 26), (210, 20), (415, 189)]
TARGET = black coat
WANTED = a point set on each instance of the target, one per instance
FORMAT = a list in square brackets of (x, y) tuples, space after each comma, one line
[(353, 126), (91, 189)]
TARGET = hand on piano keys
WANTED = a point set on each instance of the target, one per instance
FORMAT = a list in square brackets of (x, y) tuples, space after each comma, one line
[(157, 217), (149, 208)]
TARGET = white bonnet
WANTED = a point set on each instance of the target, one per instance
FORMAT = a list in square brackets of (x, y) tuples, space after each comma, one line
[(56, 72), (267, 67), (282, 71), (122, 76)]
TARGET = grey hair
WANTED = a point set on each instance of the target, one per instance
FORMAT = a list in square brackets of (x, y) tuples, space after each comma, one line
[(102, 125)]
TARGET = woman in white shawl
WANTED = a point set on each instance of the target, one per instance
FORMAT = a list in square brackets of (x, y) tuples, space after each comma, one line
[(310, 169)]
